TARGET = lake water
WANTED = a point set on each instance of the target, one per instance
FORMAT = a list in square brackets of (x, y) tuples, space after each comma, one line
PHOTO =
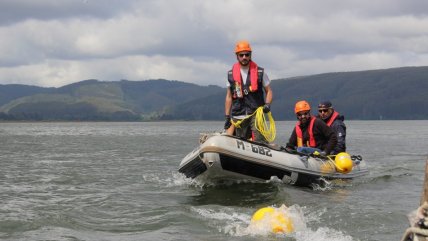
[(119, 181)]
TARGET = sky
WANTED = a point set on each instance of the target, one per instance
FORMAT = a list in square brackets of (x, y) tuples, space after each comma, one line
[(52, 43)]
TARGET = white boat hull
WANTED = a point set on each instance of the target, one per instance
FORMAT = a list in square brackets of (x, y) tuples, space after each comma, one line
[(223, 157)]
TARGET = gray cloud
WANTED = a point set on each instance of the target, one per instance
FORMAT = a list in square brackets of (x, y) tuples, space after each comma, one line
[(21, 10), (52, 43)]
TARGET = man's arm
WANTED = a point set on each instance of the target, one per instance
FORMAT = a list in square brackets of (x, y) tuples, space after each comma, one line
[(269, 94), (330, 134), (340, 131), (292, 141), (228, 102)]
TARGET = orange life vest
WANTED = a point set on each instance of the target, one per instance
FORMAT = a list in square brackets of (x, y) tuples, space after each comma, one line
[(311, 142), (236, 73), (332, 118)]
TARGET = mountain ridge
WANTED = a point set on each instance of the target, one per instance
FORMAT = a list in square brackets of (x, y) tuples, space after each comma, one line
[(393, 94)]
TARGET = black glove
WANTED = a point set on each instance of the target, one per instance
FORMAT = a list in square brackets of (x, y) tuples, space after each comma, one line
[(227, 123), (266, 108)]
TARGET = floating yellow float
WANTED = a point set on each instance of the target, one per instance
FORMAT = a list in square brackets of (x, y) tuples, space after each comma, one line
[(343, 162), (274, 219)]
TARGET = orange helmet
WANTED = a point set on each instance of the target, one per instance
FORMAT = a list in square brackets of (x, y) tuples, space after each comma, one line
[(302, 106), (242, 46)]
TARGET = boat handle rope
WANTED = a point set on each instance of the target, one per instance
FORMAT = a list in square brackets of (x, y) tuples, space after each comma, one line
[(329, 159), (356, 158)]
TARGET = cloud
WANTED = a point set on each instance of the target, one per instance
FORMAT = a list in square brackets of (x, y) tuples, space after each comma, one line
[(20, 10), (59, 72), (52, 43)]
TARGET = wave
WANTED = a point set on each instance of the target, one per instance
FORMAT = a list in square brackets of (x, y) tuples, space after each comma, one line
[(236, 223)]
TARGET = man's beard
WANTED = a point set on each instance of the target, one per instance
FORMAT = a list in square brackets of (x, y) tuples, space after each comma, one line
[(326, 117), (244, 62), (305, 122)]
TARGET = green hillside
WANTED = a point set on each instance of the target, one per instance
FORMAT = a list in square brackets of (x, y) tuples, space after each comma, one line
[(394, 94), (399, 93), (14, 91), (98, 100)]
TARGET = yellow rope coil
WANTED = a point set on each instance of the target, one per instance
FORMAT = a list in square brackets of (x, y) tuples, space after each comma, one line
[(268, 131)]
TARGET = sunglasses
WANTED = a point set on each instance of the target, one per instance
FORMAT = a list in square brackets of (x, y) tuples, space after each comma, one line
[(302, 114), (323, 110), (245, 54)]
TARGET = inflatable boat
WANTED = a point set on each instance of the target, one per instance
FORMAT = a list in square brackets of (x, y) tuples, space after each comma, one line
[(221, 157)]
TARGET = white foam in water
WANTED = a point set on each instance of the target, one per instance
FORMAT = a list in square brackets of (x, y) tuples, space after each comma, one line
[(234, 220), (178, 179), (275, 179), (322, 234), (238, 224), (174, 179), (226, 214), (324, 185)]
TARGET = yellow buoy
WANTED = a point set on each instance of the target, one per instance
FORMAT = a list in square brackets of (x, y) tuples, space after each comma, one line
[(343, 162), (274, 219)]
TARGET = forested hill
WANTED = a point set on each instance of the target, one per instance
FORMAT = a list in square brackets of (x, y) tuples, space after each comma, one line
[(394, 94), (93, 100)]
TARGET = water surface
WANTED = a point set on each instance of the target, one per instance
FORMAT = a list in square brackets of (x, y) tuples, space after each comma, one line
[(119, 181)]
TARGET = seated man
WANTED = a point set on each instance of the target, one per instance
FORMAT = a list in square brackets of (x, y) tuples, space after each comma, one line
[(335, 122), (311, 134)]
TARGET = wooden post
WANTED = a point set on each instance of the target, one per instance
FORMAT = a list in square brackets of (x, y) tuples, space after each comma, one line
[(424, 197)]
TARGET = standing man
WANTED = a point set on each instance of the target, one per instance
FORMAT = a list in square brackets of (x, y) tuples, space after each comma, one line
[(245, 84), (335, 121), (310, 134)]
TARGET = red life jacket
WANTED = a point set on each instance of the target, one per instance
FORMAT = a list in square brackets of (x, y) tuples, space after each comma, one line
[(332, 118), (311, 142), (236, 73)]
